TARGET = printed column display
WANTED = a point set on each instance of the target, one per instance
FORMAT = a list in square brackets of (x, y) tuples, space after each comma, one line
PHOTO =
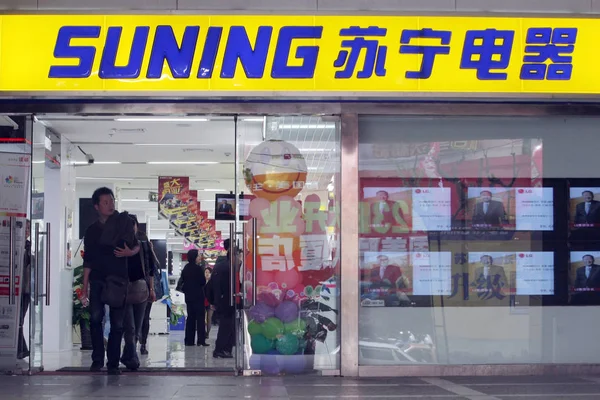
[(15, 171), (181, 207), (296, 264)]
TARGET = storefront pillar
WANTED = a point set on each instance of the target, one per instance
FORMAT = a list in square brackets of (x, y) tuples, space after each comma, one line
[(349, 246)]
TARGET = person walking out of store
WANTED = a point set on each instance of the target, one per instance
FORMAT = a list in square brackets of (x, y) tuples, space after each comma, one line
[(222, 297), (101, 260), (140, 267), (193, 279), (152, 260)]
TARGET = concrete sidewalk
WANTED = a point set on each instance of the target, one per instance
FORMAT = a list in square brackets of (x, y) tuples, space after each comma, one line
[(302, 387)]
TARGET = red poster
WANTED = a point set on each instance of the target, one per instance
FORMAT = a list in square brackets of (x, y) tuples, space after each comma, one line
[(173, 195)]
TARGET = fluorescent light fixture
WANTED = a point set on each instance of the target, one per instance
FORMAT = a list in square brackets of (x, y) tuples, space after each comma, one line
[(144, 200), (93, 178), (306, 126), (253, 119), (171, 144), (161, 119), (96, 163), (38, 162), (181, 162), (214, 190)]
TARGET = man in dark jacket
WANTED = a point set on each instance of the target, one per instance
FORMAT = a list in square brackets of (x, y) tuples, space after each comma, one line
[(222, 298), (99, 261)]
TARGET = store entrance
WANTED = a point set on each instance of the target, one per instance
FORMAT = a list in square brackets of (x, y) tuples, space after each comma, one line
[(191, 182)]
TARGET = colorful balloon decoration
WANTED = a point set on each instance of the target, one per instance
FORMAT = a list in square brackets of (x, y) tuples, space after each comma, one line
[(287, 344), (260, 344), (260, 312), (254, 328), (269, 299), (297, 327), (272, 328), (287, 311)]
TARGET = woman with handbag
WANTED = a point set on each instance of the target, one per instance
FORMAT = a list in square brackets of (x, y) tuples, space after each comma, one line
[(152, 260), (193, 281), (140, 291)]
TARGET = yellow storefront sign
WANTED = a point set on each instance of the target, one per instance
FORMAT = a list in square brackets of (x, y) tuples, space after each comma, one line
[(298, 54)]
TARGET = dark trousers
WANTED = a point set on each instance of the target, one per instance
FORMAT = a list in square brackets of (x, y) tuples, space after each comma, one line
[(195, 323), (226, 333), (117, 316), (22, 349), (96, 318), (146, 324), (134, 317)]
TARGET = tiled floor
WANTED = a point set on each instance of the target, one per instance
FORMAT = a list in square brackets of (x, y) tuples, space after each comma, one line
[(141, 387), (166, 351)]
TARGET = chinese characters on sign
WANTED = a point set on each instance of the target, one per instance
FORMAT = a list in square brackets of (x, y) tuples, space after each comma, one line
[(487, 51)]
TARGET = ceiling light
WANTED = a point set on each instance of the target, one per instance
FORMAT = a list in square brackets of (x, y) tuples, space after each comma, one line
[(38, 162), (181, 162), (144, 200), (160, 119), (171, 144), (96, 163), (306, 126), (253, 119), (93, 178)]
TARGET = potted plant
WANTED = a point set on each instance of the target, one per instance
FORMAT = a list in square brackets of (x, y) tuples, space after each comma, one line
[(81, 315)]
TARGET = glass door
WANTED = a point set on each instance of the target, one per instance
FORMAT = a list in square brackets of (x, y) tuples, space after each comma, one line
[(15, 175), (40, 249), (287, 230), (249, 132)]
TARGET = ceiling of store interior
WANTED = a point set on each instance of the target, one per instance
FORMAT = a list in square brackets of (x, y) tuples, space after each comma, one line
[(134, 145)]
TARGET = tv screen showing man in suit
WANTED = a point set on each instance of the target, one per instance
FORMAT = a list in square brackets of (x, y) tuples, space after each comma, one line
[(585, 207), (386, 276), (488, 275), (225, 207), (489, 208), (585, 272)]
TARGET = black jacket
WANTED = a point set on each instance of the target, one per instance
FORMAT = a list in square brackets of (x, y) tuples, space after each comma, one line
[(193, 283), (221, 284)]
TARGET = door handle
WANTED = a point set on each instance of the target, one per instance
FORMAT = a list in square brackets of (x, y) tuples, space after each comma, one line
[(254, 258), (11, 262), (47, 259), (48, 247), (231, 264), (35, 265)]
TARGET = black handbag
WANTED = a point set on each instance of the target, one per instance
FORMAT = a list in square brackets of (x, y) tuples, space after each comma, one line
[(138, 292), (114, 293)]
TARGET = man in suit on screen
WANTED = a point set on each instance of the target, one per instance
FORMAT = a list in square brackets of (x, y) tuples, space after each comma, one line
[(384, 274), (384, 209), (588, 211), (588, 276), (225, 208), (489, 276), (489, 212)]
